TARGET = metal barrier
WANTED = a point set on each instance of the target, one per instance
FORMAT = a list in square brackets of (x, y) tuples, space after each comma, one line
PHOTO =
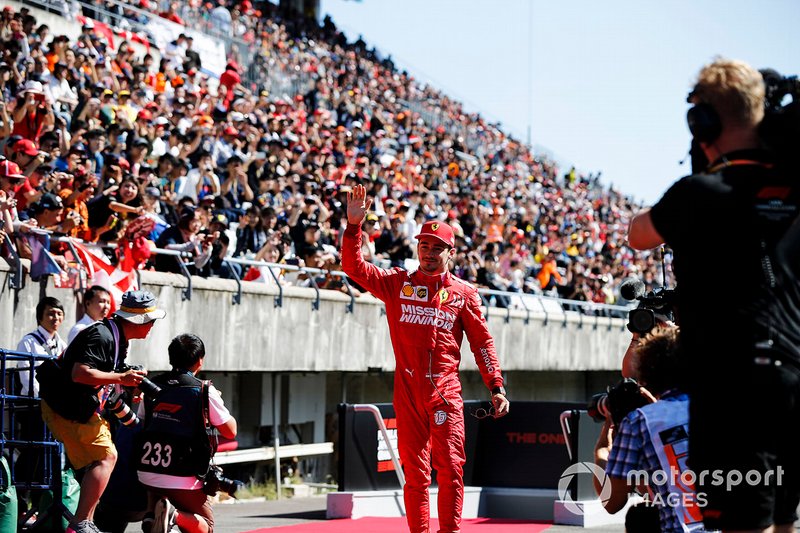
[(24, 411), (370, 408), (549, 306), (17, 279)]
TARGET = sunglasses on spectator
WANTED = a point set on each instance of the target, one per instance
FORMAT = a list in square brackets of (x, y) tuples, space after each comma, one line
[(481, 413)]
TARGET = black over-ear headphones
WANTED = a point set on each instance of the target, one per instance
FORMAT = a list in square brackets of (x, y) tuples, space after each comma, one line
[(704, 122)]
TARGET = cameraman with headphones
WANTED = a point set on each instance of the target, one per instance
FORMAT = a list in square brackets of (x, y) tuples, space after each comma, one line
[(733, 222)]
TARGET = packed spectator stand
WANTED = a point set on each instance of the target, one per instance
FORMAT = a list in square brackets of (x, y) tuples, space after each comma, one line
[(121, 151)]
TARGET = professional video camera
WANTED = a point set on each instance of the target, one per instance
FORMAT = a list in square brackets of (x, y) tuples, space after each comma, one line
[(659, 301), (216, 481), (780, 129), (616, 402)]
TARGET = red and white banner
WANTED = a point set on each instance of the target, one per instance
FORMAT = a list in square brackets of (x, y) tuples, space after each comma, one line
[(101, 272)]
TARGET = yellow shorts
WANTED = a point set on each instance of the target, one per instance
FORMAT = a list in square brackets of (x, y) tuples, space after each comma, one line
[(84, 443)]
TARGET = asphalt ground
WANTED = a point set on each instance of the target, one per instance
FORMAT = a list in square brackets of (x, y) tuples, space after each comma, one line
[(240, 517)]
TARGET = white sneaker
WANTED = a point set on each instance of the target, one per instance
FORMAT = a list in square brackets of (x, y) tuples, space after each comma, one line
[(164, 518)]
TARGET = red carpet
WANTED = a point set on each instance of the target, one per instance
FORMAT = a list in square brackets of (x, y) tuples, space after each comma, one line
[(398, 525)]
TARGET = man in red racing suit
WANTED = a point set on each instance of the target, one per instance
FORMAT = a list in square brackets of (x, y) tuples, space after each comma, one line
[(428, 312)]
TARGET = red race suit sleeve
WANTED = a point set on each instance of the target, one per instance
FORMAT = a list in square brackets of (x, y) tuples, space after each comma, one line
[(374, 279), (480, 341)]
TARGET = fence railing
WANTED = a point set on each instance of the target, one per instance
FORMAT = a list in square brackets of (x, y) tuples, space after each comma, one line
[(552, 308), (23, 432)]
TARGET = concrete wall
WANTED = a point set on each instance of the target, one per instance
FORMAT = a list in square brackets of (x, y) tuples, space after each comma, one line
[(258, 336), (328, 356)]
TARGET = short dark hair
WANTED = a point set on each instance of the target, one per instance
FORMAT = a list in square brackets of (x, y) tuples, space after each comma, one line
[(93, 291), (185, 351), (661, 364), (44, 303)]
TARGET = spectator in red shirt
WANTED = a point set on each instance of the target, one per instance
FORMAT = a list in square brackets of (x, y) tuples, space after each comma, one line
[(172, 14), (32, 112), (231, 80)]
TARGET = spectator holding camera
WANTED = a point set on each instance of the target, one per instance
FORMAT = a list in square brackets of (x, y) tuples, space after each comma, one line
[(74, 391), (186, 237), (654, 438), (176, 451), (108, 212), (739, 209), (32, 112), (76, 197)]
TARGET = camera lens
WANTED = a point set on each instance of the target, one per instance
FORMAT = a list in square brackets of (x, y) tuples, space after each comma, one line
[(149, 388), (641, 321), (121, 410), (216, 481)]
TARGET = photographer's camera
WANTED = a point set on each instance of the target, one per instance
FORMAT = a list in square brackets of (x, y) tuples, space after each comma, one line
[(215, 481), (117, 406), (617, 402)]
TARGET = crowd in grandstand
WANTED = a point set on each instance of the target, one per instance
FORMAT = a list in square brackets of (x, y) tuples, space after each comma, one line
[(143, 149)]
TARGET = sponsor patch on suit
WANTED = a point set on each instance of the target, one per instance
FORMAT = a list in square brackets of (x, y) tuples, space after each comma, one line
[(415, 294)]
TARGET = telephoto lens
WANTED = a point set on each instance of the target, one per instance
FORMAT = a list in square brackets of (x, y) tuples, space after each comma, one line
[(216, 481), (149, 388), (117, 405)]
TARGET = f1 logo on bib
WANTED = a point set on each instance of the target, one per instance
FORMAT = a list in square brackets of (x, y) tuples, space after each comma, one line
[(439, 417)]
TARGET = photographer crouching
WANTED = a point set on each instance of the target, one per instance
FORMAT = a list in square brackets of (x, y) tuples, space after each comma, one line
[(646, 448), (176, 446), (76, 387)]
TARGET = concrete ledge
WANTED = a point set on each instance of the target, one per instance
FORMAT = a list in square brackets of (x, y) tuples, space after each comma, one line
[(520, 504), (589, 513), (479, 502)]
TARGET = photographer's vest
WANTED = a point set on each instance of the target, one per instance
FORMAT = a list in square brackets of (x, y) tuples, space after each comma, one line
[(174, 441), (667, 421)]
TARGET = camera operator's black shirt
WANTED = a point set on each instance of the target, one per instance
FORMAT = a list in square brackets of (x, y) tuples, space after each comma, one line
[(718, 225), (95, 347)]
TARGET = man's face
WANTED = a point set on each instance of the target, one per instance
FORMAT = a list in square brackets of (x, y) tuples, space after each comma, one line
[(99, 306), (52, 319), (87, 189), (138, 331), (433, 255), (22, 159), (50, 217), (312, 235), (9, 185), (96, 144)]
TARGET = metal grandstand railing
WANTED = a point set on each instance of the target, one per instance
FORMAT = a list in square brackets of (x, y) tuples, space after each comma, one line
[(552, 308), (24, 433)]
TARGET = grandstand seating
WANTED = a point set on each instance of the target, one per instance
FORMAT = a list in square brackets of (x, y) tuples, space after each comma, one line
[(239, 133)]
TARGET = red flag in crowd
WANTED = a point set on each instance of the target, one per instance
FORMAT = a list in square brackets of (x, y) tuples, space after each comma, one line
[(101, 272)]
